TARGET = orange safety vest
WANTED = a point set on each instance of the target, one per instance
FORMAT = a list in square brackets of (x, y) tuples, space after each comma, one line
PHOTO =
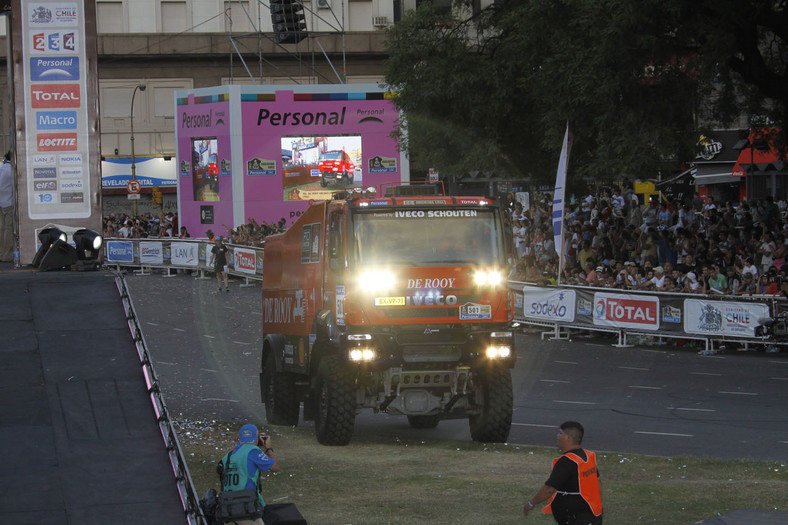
[(587, 479)]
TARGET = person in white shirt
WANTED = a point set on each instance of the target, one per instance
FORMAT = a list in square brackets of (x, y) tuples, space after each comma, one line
[(659, 278), (7, 201)]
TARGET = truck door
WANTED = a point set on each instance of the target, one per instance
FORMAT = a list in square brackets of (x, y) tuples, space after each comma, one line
[(334, 286)]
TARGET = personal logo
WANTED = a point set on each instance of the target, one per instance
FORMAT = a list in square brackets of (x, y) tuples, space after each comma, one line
[(54, 69)]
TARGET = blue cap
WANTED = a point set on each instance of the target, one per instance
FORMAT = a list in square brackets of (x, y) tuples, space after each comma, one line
[(248, 434)]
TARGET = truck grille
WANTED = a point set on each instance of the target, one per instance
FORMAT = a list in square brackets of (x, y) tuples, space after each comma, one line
[(413, 313), (431, 353)]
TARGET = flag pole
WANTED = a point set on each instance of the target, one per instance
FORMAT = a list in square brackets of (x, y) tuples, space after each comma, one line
[(559, 198)]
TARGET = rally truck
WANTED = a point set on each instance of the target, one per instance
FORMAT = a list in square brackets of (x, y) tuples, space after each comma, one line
[(395, 303)]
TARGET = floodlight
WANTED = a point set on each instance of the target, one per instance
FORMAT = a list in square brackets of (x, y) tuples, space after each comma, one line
[(47, 237), (88, 243)]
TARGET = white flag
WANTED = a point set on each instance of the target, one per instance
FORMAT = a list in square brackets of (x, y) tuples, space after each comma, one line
[(558, 197)]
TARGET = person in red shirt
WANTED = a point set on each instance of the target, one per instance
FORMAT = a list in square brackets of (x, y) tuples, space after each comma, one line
[(573, 488)]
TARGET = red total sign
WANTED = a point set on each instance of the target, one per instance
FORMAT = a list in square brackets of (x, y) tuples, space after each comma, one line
[(134, 186)]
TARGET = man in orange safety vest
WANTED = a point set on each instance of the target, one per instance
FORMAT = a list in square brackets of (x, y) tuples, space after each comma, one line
[(573, 488)]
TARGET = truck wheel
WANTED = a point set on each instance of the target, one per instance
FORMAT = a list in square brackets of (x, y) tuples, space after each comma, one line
[(492, 425), (424, 421), (323, 182), (279, 395), (336, 404), (348, 178)]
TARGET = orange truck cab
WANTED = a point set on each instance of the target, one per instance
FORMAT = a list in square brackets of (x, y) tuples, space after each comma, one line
[(397, 304)]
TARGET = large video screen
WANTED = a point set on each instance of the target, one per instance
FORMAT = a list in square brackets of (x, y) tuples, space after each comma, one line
[(205, 169), (315, 167)]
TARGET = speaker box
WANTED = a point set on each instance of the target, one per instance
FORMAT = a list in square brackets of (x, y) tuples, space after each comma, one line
[(60, 254)]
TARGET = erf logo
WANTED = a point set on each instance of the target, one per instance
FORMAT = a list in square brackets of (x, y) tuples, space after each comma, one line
[(55, 96), (45, 185)]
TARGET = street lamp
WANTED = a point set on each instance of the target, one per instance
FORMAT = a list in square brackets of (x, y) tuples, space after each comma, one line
[(141, 87)]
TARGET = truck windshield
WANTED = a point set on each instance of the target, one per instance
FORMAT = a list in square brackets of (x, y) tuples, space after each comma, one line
[(419, 237)]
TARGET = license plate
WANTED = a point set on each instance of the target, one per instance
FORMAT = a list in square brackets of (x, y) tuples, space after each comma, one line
[(389, 301), (475, 311)]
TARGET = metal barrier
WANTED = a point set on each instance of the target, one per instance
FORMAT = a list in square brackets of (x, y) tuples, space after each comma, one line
[(171, 254), (558, 309), (708, 318), (186, 490)]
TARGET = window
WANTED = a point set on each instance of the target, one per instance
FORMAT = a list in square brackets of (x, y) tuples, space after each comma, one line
[(174, 17), (109, 17)]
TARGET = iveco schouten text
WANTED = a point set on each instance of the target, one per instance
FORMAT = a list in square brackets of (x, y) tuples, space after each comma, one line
[(394, 303)]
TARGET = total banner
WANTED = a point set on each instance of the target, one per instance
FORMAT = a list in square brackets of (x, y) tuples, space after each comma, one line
[(655, 313)]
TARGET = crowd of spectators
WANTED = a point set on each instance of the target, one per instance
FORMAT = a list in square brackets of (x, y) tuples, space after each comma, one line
[(166, 225), (612, 240)]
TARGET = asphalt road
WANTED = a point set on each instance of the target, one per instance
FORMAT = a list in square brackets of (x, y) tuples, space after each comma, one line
[(664, 400)]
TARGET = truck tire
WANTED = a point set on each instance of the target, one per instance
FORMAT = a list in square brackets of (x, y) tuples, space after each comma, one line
[(492, 425), (323, 181), (424, 421), (336, 404), (279, 395)]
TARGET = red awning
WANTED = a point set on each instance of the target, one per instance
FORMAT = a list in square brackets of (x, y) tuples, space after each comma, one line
[(764, 156)]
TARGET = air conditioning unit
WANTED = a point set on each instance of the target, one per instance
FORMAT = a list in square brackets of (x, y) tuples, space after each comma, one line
[(323, 4), (380, 21)]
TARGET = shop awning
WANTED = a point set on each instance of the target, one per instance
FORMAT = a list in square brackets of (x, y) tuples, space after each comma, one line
[(715, 174), (758, 156)]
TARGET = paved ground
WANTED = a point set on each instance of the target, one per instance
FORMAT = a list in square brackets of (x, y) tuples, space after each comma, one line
[(78, 434), (77, 415)]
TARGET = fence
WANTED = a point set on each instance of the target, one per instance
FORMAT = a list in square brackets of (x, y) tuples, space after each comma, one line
[(710, 318), (559, 309), (181, 254)]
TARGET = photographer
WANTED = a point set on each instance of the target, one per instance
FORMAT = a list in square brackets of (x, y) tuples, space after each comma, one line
[(240, 468)]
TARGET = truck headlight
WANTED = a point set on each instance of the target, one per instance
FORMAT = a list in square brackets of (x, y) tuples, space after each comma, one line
[(375, 280), (488, 277), (359, 355), (499, 351)]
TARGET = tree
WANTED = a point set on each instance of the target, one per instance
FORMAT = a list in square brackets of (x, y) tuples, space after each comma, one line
[(492, 89)]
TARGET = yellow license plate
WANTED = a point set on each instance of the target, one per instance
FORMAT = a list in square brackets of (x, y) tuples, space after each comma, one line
[(389, 301)]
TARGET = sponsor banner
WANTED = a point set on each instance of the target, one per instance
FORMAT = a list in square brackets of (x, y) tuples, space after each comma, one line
[(626, 311), (71, 185), (149, 172), (44, 185), (120, 251), (57, 141), (549, 303), (49, 96), (54, 42), (48, 69), (245, 260), (44, 173), (53, 14), (735, 319), (151, 253), (55, 86), (184, 254), (50, 120)]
